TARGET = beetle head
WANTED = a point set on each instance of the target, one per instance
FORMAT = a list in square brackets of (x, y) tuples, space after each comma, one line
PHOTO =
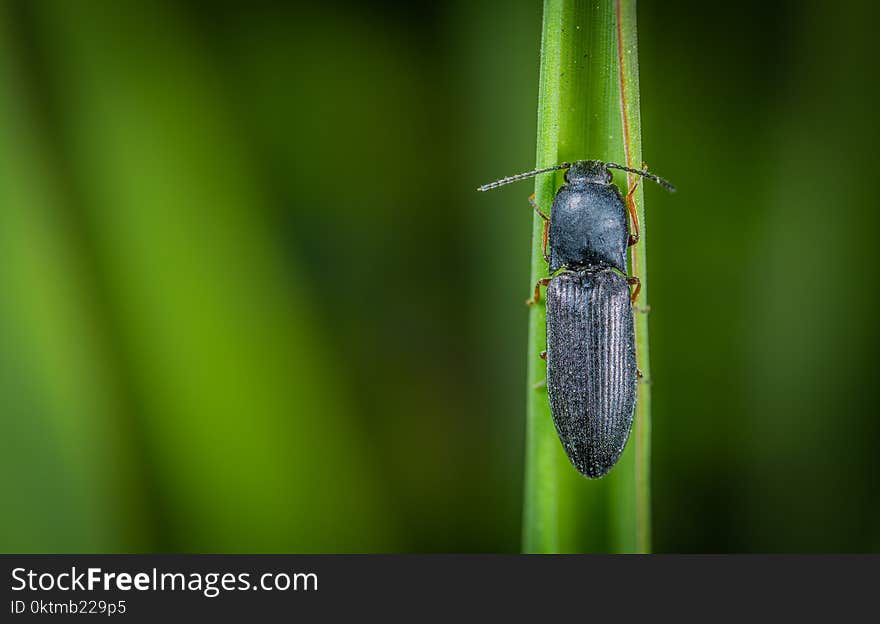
[(588, 171)]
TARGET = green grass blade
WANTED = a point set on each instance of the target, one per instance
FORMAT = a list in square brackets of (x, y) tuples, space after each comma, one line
[(588, 108)]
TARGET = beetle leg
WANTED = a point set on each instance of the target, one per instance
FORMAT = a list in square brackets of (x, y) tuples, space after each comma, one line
[(634, 281), (630, 202), (540, 384), (537, 208), (545, 233), (537, 296)]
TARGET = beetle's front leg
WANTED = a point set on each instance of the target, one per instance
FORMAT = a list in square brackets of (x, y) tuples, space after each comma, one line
[(537, 296), (546, 231), (630, 202)]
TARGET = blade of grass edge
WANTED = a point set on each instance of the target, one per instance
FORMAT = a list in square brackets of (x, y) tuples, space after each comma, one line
[(540, 506)]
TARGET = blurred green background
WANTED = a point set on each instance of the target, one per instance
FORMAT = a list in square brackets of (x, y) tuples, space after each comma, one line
[(251, 301)]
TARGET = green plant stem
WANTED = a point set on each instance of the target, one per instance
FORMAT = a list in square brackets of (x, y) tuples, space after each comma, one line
[(588, 109)]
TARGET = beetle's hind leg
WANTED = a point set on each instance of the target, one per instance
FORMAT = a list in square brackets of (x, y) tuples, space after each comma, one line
[(633, 215), (537, 296), (634, 281), (637, 283), (546, 231)]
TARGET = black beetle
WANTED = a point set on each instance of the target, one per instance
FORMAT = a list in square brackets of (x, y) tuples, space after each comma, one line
[(591, 349)]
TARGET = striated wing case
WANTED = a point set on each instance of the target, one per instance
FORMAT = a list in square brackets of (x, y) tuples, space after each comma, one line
[(591, 366)]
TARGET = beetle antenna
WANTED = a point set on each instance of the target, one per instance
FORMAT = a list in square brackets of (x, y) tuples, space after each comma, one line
[(521, 176), (644, 174)]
